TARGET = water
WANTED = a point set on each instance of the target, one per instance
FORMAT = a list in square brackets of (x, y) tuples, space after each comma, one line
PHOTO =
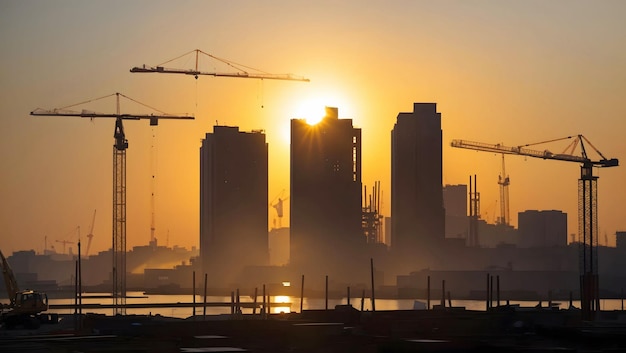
[(291, 304)]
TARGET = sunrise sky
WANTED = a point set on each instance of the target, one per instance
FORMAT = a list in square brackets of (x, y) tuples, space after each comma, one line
[(512, 72)]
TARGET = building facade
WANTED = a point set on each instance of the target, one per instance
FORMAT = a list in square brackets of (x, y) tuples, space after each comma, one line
[(417, 212), (233, 202), (455, 204), (620, 239), (542, 228), (325, 196)]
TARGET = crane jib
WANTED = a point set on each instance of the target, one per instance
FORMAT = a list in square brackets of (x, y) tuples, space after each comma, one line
[(545, 154)]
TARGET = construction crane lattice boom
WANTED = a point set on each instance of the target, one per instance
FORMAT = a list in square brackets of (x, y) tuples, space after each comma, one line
[(243, 71), (119, 182), (545, 154)]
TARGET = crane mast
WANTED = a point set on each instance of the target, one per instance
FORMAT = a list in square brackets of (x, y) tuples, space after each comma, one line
[(152, 190), (504, 181), (119, 184), (90, 235), (119, 218), (587, 205)]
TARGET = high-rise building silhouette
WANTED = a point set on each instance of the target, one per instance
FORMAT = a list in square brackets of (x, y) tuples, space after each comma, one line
[(417, 213), (233, 202), (325, 197)]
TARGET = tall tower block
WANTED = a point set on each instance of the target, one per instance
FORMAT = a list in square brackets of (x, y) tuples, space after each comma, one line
[(325, 201), (233, 202), (417, 212)]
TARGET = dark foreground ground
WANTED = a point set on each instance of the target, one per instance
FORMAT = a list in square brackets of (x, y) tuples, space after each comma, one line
[(340, 330)]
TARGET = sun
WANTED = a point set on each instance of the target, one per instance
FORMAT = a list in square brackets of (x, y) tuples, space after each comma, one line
[(312, 107), (311, 110)]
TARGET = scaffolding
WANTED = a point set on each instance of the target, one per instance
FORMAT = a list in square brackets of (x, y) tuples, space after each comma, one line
[(371, 219)]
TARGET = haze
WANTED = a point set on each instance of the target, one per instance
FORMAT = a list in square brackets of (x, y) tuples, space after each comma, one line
[(512, 72)]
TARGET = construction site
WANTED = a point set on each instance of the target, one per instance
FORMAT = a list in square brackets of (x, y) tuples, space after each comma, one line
[(338, 238)]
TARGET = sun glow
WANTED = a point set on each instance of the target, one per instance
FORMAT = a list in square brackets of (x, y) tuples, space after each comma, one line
[(313, 109), (281, 299)]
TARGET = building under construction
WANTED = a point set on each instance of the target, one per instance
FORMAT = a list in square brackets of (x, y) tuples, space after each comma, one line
[(325, 197), (233, 202), (371, 217)]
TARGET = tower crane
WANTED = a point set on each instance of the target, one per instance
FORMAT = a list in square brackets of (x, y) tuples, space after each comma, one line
[(277, 204), (119, 181), (90, 235), (587, 204), (64, 242), (242, 71), (504, 182)]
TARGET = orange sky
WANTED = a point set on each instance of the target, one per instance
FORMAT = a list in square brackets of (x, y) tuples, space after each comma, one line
[(507, 72)]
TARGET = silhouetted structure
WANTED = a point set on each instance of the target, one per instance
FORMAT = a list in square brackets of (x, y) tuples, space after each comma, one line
[(233, 202), (371, 219), (542, 228), (325, 193), (620, 239), (455, 203), (473, 239), (418, 217)]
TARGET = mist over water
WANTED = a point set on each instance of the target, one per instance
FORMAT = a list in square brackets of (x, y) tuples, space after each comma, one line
[(292, 304)]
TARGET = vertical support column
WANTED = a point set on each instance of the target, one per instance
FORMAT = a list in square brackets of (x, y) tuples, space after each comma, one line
[(76, 295), (373, 285), (326, 295), (193, 295), (264, 312), (302, 295), (428, 293), (204, 299), (588, 230), (119, 230), (488, 299), (474, 203), (255, 298), (348, 296), (491, 291), (498, 290), (80, 290)]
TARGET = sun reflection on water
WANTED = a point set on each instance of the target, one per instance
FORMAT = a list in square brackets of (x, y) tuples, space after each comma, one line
[(281, 309)]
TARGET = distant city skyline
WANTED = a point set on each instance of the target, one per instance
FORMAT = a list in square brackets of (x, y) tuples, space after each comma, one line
[(501, 72)]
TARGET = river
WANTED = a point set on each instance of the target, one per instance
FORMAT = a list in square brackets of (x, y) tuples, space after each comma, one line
[(291, 303)]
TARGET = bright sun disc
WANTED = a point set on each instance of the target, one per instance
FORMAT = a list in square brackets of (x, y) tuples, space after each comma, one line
[(311, 110)]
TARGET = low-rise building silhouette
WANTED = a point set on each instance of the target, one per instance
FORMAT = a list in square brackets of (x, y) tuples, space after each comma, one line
[(542, 228)]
